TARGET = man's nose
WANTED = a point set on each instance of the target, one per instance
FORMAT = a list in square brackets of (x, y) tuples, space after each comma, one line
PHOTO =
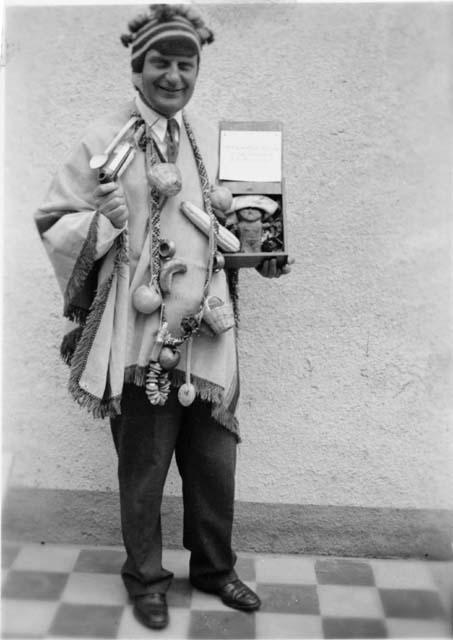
[(173, 75)]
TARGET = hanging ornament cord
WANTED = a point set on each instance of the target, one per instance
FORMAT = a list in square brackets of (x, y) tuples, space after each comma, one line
[(157, 383), (189, 360), (155, 205), (186, 393), (190, 324)]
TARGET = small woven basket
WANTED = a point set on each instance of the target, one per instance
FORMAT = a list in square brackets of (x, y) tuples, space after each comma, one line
[(218, 315)]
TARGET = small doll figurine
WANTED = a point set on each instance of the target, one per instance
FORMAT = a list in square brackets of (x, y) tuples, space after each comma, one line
[(248, 218), (250, 227)]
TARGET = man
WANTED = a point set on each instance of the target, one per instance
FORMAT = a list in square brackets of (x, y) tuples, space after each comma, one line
[(105, 239)]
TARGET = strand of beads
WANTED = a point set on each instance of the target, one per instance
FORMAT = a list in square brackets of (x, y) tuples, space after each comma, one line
[(157, 384)]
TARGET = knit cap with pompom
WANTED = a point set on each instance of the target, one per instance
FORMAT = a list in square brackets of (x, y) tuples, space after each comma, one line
[(165, 22)]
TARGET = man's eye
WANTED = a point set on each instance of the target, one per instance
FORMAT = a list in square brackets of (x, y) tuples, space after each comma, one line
[(159, 64), (186, 67)]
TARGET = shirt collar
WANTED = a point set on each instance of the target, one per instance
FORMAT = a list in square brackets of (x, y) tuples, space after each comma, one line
[(156, 121)]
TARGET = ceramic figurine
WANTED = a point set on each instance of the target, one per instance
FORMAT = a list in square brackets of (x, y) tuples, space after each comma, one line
[(250, 229), (251, 218)]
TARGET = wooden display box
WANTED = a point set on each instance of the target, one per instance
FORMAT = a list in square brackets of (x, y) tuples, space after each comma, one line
[(250, 159)]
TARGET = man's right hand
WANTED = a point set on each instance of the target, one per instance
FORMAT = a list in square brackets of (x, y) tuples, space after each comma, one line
[(111, 203)]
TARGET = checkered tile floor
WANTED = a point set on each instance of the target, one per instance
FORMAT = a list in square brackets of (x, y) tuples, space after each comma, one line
[(76, 592)]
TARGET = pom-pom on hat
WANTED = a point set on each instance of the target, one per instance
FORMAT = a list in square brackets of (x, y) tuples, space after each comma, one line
[(165, 22)]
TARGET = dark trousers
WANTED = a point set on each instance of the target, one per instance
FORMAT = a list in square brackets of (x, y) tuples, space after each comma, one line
[(145, 438)]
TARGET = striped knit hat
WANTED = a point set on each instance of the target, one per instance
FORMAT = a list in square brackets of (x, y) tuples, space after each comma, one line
[(165, 22)]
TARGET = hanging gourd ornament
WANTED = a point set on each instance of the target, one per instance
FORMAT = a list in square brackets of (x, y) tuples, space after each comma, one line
[(146, 299), (166, 178), (186, 394), (167, 249), (219, 262), (168, 270), (168, 358), (221, 198)]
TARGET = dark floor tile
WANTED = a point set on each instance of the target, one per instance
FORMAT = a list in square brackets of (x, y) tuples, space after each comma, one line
[(21, 636), (245, 568), (221, 624), (354, 628), (411, 603), (100, 561), (9, 553), (86, 621), (288, 598), (34, 585), (343, 571), (180, 593)]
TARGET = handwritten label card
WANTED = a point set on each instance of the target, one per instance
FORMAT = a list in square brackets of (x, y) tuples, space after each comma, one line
[(252, 156)]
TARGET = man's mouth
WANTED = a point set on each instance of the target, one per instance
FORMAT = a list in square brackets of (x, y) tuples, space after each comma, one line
[(171, 89)]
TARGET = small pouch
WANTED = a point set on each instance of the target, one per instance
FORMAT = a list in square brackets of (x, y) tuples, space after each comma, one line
[(218, 315)]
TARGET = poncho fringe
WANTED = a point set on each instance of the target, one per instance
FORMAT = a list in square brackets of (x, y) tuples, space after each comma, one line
[(204, 389)]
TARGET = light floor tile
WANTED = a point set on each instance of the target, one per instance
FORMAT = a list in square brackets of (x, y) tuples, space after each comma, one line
[(285, 570), (177, 562), (9, 553), (410, 628), (27, 617), (403, 574), (287, 625), (95, 588), (349, 602), (37, 557), (442, 573), (177, 628), (245, 568)]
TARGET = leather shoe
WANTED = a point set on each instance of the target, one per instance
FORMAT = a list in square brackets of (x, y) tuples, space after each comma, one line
[(237, 595), (151, 610)]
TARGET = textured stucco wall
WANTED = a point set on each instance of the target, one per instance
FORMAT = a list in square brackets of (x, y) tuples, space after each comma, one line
[(346, 363)]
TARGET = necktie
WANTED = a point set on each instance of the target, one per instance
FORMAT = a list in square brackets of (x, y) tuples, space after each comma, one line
[(171, 139)]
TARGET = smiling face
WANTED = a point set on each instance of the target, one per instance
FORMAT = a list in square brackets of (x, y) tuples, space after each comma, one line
[(168, 80)]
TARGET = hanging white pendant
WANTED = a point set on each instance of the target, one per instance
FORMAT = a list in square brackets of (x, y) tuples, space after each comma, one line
[(186, 394)]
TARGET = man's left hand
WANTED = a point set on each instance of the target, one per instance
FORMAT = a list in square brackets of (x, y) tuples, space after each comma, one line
[(270, 269)]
